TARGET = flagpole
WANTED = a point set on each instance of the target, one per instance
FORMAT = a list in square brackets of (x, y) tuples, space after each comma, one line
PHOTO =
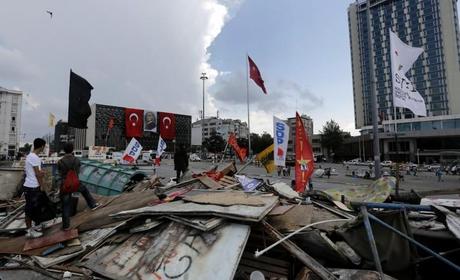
[(247, 97)]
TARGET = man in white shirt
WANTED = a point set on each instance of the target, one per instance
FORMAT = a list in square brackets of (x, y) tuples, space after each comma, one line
[(32, 183)]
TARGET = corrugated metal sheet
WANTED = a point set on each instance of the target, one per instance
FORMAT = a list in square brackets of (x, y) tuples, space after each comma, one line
[(106, 179), (174, 251)]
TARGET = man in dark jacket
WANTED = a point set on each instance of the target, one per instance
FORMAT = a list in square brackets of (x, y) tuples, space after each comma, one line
[(66, 163), (180, 161)]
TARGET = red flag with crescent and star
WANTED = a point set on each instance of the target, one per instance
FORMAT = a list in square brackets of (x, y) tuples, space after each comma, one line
[(134, 122), (255, 75), (167, 124), (304, 162)]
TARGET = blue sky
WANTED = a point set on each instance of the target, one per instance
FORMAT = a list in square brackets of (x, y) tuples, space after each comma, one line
[(305, 42)]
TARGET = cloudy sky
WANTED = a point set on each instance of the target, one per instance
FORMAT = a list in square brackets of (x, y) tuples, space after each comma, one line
[(150, 54)]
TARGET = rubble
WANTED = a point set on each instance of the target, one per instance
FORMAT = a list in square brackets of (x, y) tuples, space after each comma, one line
[(222, 225)]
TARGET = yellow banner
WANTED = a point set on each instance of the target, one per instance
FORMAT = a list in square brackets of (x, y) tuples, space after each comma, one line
[(51, 120), (266, 158)]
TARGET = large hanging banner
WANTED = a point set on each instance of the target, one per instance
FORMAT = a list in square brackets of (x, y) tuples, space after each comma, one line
[(281, 137), (404, 93), (150, 121)]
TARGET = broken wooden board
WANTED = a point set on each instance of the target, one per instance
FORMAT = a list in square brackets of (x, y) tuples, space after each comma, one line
[(210, 183), (203, 224), (223, 198), (297, 217), (359, 274), (180, 208), (173, 251), (148, 225), (280, 210), (47, 240)]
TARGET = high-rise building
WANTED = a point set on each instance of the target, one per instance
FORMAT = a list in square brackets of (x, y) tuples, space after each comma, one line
[(222, 127), (430, 24), (10, 121)]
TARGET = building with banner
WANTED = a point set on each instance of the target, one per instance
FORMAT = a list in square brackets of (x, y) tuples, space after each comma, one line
[(10, 122), (432, 25), (107, 126)]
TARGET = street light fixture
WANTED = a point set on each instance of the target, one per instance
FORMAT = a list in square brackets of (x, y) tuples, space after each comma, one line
[(203, 78)]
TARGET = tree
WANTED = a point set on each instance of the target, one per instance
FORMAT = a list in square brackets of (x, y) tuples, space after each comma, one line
[(260, 142), (215, 143), (332, 137)]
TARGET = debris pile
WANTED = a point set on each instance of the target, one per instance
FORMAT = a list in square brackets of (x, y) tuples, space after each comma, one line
[(224, 225)]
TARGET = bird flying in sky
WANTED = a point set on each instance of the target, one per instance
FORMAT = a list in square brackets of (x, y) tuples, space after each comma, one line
[(50, 13)]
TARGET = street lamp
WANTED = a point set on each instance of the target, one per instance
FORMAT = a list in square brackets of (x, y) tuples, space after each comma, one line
[(203, 78)]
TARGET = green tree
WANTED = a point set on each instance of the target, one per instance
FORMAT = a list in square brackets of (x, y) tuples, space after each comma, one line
[(332, 137), (215, 143), (260, 142)]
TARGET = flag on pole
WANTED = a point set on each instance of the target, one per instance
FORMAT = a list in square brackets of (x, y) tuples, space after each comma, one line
[(280, 137), (404, 93), (255, 75), (132, 152), (266, 158), (304, 162), (240, 152), (133, 122), (79, 95), (111, 123), (160, 150), (51, 120)]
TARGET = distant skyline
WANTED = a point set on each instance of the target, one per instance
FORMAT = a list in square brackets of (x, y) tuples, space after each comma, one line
[(150, 55)]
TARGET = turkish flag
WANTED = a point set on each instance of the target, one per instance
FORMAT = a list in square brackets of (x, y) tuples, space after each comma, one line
[(254, 74), (167, 124), (304, 162), (134, 122)]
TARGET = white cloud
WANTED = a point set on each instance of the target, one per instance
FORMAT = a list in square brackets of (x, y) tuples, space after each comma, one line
[(141, 54)]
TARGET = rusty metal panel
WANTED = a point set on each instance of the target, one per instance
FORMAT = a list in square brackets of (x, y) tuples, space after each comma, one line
[(174, 251), (179, 208)]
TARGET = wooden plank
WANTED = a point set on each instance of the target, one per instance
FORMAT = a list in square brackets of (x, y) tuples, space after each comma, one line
[(210, 183), (48, 240), (280, 210), (306, 259)]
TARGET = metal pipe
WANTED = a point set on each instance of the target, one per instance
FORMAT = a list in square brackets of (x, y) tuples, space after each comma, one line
[(373, 94), (260, 253), (397, 206), (420, 245), (370, 236)]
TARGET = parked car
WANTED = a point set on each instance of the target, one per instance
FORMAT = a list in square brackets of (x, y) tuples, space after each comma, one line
[(194, 157), (386, 163), (355, 161), (433, 167)]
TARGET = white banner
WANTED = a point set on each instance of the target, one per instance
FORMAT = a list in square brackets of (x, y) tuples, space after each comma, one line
[(132, 152), (161, 147), (280, 137), (404, 93)]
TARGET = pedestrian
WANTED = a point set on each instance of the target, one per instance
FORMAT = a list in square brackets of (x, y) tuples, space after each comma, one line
[(180, 162), (32, 189), (288, 170), (439, 174), (67, 166), (279, 169), (284, 171), (328, 172)]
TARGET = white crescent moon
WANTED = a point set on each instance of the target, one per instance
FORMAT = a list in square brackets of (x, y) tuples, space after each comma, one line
[(135, 116), (164, 123)]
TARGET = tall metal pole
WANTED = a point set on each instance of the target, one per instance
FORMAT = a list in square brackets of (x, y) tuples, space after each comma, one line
[(373, 93), (247, 99), (203, 78)]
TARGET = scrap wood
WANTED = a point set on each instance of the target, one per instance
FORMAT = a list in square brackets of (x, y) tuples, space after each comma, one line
[(298, 216), (333, 210), (48, 240), (225, 198), (280, 210), (32, 267), (306, 259), (208, 182)]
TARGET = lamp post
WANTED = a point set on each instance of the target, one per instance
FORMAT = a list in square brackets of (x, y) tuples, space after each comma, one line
[(203, 78)]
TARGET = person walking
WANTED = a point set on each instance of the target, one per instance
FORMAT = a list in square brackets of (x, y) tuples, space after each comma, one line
[(439, 174), (180, 162), (32, 189), (65, 165)]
